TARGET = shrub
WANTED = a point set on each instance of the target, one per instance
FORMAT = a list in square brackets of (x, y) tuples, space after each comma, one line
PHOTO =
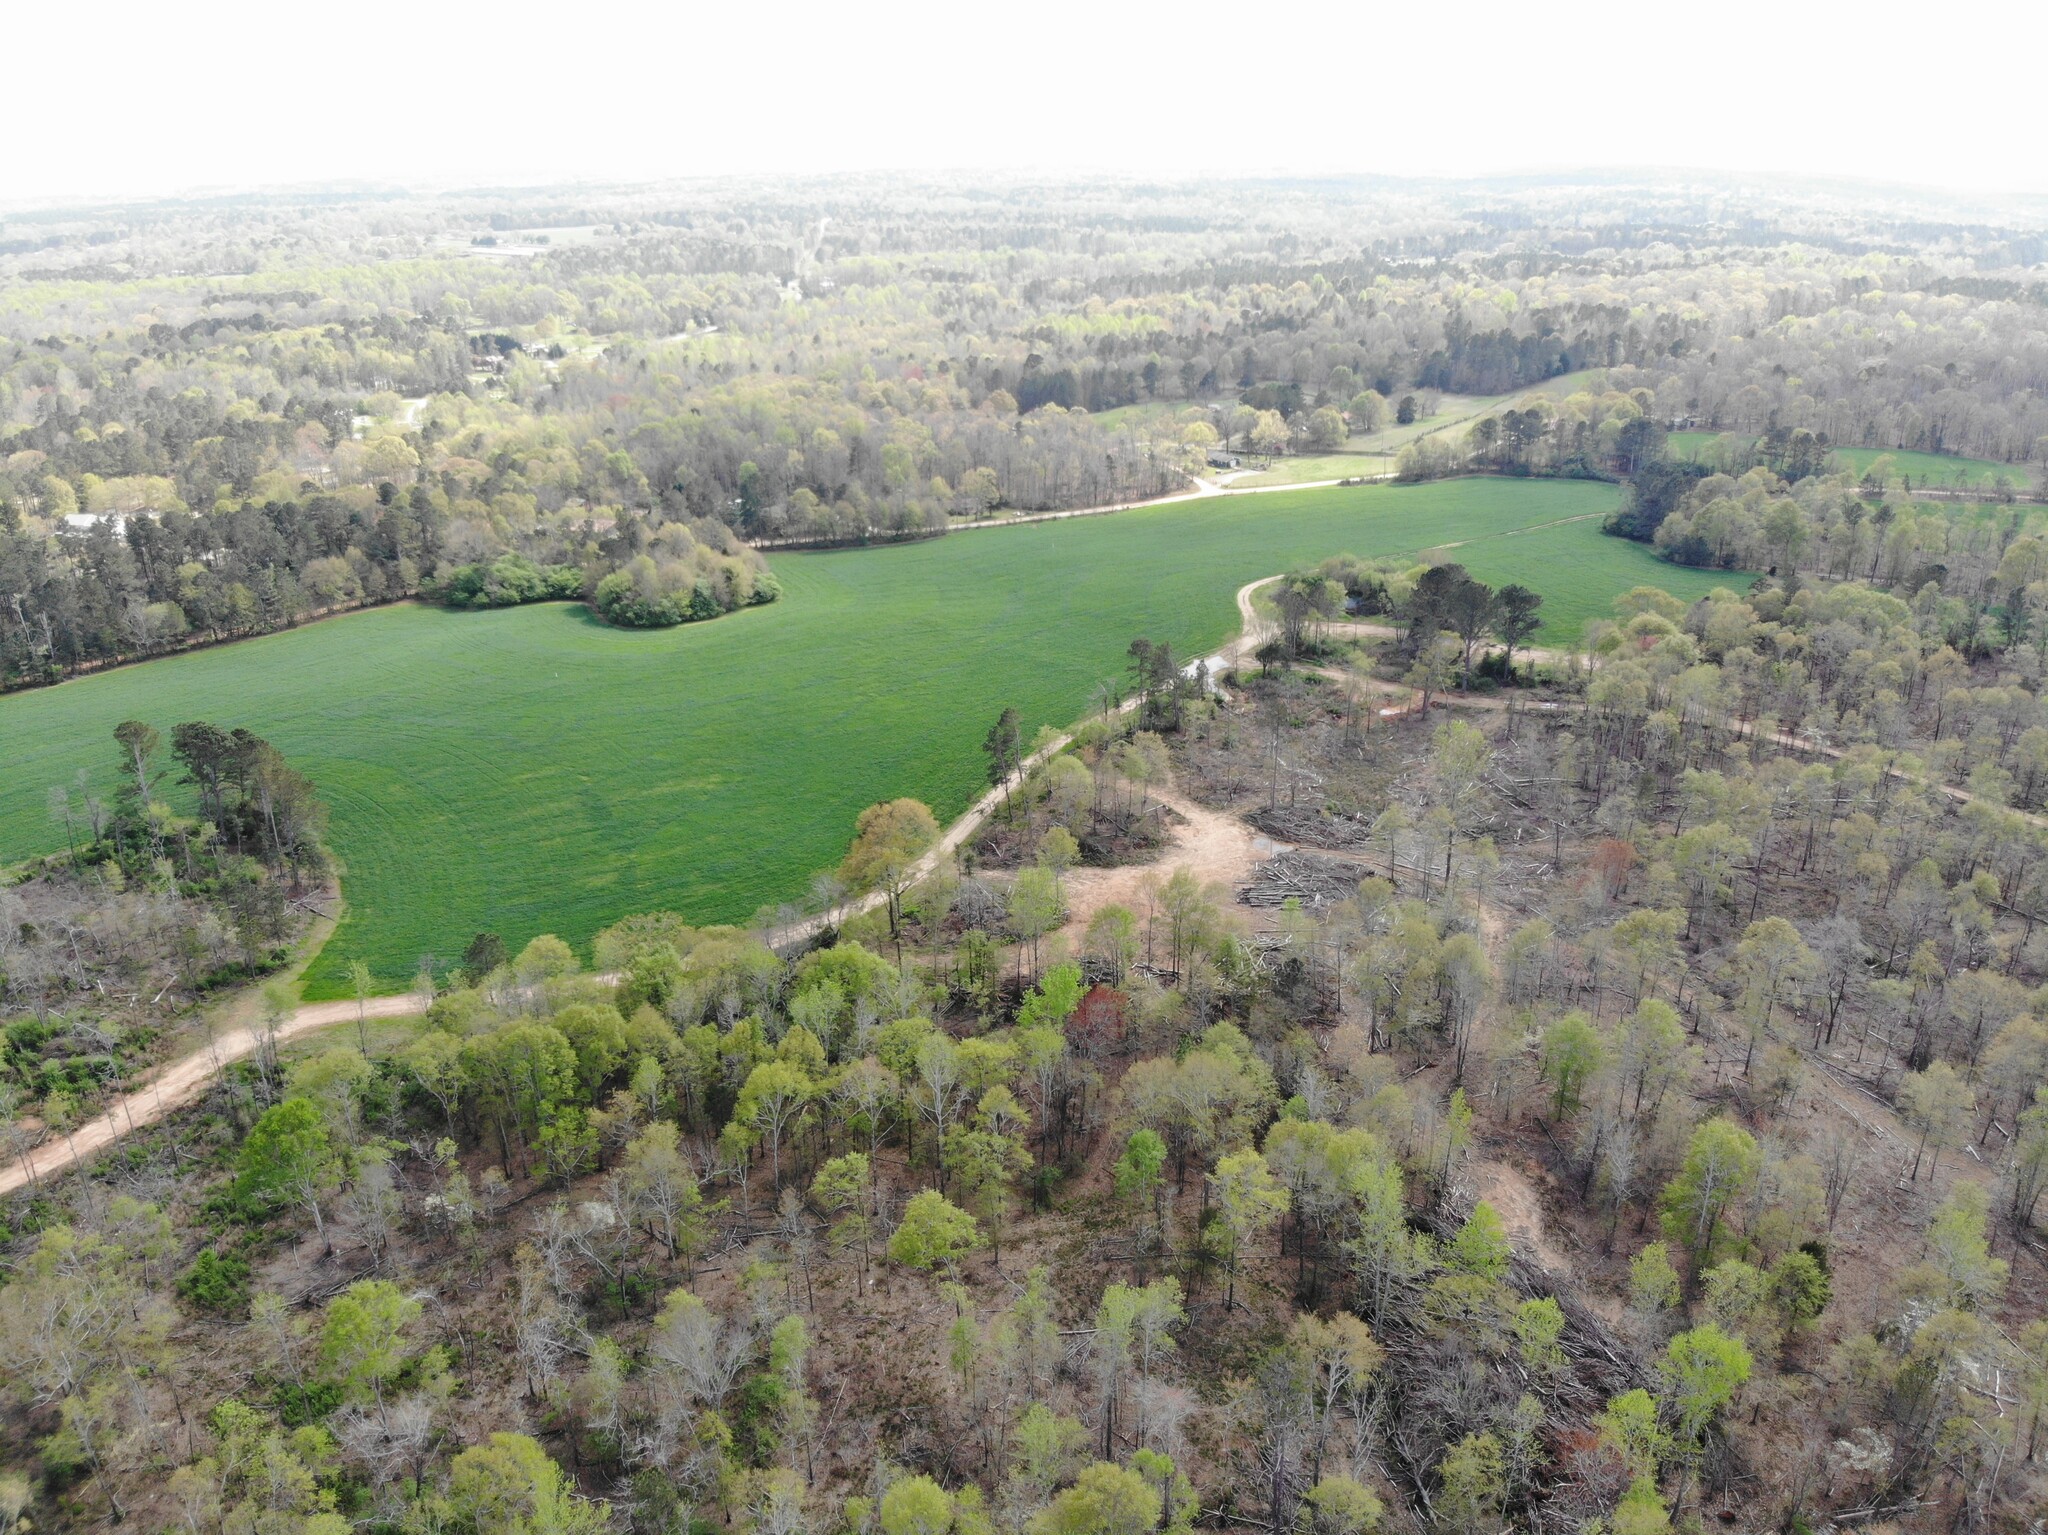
[(756, 1422), (216, 1282), (299, 1405), (508, 580)]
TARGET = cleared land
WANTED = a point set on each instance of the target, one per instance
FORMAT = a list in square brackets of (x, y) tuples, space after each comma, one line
[(1353, 463), (531, 770), (1938, 471), (1375, 452)]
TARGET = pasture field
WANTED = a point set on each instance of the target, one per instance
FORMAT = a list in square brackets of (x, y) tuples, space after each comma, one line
[(1580, 571), (1939, 471), (1354, 462), (1375, 452), (530, 770)]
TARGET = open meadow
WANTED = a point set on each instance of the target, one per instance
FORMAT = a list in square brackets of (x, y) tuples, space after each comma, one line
[(1375, 453), (531, 770), (1939, 471), (1934, 471)]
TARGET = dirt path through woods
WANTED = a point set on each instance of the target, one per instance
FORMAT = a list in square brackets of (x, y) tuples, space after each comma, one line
[(1520, 1208), (182, 1081)]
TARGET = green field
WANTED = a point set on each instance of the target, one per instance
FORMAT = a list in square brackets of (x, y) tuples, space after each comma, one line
[(1375, 452), (530, 770), (1938, 471), (1309, 468), (1580, 571)]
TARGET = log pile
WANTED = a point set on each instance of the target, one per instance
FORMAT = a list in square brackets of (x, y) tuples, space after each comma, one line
[(1440, 1385), (1604, 1362), (1318, 883), (1312, 828)]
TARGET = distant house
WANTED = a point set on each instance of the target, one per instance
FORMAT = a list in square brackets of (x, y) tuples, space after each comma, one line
[(85, 522), (1218, 459)]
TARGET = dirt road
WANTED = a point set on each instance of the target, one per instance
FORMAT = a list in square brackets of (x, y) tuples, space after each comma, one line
[(1204, 489), (181, 1081)]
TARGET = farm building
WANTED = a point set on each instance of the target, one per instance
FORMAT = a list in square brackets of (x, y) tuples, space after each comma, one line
[(85, 522)]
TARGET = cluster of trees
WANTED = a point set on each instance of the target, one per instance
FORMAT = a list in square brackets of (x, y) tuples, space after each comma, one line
[(797, 1078), (150, 908), (849, 1132), (1594, 433), (157, 577), (1974, 559), (642, 573), (684, 574), (1932, 369), (1777, 959), (243, 454), (1442, 617), (1794, 454), (1446, 601), (1856, 674), (160, 577)]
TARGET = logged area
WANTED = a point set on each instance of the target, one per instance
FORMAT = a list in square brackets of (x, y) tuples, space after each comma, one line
[(887, 856), (533, 771)]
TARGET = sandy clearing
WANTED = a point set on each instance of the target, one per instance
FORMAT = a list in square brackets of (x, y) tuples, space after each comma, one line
[(1520, 1208), (1217, 849), (1537, 653)]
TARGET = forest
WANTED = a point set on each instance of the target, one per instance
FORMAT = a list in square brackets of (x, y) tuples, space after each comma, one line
[(1438, 1063), (216, 425)]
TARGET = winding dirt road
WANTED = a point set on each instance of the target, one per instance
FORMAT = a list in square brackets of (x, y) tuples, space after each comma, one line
[(180, 1082)]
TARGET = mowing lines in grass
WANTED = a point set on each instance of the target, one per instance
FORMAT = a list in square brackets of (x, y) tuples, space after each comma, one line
[(531, 770)]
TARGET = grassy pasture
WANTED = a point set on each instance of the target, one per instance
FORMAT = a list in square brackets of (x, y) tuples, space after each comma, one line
[(531, 770), (1307, 469), (1580, 571), (1937, 471), (1374, 453)]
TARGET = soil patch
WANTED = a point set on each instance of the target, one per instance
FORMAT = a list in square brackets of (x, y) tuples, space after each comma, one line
[(1520, 1207), (1217, 848)]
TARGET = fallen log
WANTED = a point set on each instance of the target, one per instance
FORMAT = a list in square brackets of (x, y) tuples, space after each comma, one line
[(1317, 883)]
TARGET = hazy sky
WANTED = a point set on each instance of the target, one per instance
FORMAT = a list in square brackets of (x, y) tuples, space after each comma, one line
[(129, 99)]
